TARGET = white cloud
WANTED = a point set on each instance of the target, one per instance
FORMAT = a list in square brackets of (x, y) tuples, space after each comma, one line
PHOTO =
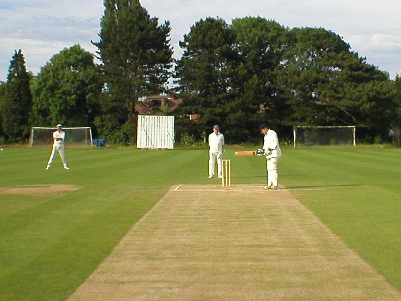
[(371, 28), (382, 43), (381, 50), (43, 28)]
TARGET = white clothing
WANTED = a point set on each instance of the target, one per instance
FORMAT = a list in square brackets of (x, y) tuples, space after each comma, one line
[(58, 147), (272, 175), (216, 142), (271, 145), (273, 153), (57, 135), (213, 157)]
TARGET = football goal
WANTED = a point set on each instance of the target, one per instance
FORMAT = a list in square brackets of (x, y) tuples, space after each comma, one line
[(324, 135), (74, 136)]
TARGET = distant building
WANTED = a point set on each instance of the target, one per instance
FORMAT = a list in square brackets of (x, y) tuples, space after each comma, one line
[(194, 116), (153, 102)]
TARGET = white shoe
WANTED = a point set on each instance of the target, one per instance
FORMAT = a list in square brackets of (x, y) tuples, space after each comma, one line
[(220, 177), (66, 167), (47, 167), (211, 177)]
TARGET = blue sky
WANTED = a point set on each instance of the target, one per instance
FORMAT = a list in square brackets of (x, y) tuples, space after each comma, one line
[(43, 28)]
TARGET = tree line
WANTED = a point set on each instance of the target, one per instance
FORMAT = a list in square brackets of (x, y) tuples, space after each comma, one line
[(236, 75)]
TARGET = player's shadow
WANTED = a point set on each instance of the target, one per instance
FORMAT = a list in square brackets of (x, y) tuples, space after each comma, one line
[(300, 186), (247, 177), (321, 186)]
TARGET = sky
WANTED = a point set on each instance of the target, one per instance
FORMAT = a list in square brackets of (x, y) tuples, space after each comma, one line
[(43, 28)]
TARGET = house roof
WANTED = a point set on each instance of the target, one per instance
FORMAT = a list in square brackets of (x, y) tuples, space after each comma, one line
[(145, 105)]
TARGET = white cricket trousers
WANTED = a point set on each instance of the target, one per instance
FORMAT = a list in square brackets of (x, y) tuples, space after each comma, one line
[(58, 149), (272, 176), (213, 157)]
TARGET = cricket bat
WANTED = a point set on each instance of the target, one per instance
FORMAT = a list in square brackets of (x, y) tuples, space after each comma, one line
[(245, 153)]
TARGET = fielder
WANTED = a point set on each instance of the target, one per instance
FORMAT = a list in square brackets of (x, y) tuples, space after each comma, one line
[(216, 142), (272, 151), (58, 146)]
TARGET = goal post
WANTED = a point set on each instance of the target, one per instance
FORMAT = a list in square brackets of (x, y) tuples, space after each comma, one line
[(74, 136), (324, 135)]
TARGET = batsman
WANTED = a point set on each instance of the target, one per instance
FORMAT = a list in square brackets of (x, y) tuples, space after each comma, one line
[(272, 152)]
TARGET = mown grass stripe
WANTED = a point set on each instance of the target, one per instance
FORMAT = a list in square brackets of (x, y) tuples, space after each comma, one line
[(355, 192)]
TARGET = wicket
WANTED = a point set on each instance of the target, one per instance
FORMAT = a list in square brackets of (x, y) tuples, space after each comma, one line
[(226, 179)]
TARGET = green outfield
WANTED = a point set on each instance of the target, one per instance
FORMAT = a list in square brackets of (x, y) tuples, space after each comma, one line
[(57, 226)]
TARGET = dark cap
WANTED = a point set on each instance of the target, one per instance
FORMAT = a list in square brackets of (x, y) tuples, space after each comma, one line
[(216, 127), (263, 126)]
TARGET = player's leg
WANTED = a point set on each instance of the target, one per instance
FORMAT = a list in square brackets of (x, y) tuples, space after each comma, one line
[(272, 173), (219, 158), (212, 161), (51, 159), (62, 156), (267, 174)]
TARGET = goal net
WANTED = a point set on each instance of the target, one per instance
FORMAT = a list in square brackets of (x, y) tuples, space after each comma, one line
[(324, 135), (74, 136)]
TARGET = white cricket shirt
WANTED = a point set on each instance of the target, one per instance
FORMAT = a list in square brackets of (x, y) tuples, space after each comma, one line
[(216, 142)]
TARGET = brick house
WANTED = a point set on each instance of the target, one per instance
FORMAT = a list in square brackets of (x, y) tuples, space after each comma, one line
[(152, 102)]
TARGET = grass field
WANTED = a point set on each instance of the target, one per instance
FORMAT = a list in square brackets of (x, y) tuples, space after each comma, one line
[(50, 243)]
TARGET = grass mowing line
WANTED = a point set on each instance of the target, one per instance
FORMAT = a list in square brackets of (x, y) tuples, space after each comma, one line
[(367, 212), (241, 187), (232, 245), (361, 205)]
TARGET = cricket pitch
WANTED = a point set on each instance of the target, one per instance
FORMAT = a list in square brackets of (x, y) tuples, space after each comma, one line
[(205, 242)]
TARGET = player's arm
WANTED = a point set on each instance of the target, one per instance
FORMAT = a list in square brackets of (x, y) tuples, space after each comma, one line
[(58, 137), (260, 152)]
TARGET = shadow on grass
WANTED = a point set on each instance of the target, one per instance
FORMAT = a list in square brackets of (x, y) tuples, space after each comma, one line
[(248, 177), (321, 186)]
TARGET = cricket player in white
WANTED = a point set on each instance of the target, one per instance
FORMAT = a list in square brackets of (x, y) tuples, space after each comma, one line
[(216, 142), (58, 146), (273, 153)]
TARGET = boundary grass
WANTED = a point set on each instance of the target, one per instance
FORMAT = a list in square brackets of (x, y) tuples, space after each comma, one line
[(49, 245)]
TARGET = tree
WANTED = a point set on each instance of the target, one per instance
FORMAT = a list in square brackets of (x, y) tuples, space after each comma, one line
[(397, 88), (135, 53), (396, 124), (327, 84), (310, 60), (359, 95), (67, 89), (204, 67), (256, 70), (17, 100), (205, 72), (259, 45), (2, 94), (227, 74)]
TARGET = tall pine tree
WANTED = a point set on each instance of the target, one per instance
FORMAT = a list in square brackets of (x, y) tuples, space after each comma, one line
[(17, 100), (204, 74), (135, 53)]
